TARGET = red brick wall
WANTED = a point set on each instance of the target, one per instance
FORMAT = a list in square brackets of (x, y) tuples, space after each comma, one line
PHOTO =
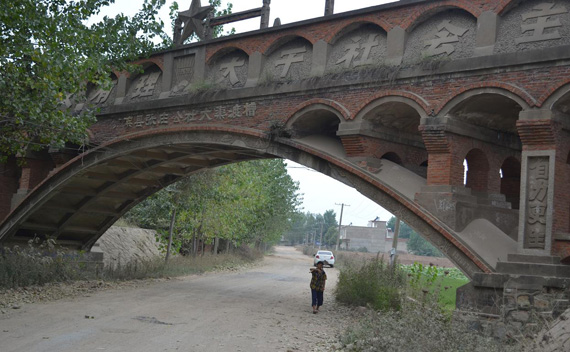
[(9, 174)]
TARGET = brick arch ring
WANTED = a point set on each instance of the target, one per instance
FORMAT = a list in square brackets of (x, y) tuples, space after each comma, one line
[(424, 13), (221, 51), (554, 94), (158, 62), (411, 99), (276, 43), (326, 104), (333, 37), (525, 100), (246, 139)]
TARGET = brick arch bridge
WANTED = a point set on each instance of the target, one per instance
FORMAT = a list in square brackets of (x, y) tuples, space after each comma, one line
[(390, 100)]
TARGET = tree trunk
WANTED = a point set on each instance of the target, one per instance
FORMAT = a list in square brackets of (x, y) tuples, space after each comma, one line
[(228, 247), (216, 244)]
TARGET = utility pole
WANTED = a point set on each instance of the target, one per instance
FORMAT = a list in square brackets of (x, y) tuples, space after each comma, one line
[(172, 219), (321, 240), (329, 7), (394, 249), (339, 224)]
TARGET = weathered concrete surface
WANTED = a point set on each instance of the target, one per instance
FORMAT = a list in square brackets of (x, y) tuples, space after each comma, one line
[(479, 233), (126, 245)]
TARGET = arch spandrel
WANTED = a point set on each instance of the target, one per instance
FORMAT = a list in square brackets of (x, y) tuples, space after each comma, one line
[(358, 45), (170, 155), (99, 96), (533, 25), (447, 35), (288, 59), (228, 69), (145, 86)]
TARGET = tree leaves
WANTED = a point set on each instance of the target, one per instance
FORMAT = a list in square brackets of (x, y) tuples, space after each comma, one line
[(244, 203), (48, 53)]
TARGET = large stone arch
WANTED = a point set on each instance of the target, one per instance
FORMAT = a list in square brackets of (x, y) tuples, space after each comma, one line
[(198, 147)]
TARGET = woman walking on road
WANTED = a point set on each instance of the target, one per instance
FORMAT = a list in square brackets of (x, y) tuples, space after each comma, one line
[(318, 282)]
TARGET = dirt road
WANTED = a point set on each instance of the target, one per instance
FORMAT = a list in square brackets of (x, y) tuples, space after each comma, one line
[(266, 308)]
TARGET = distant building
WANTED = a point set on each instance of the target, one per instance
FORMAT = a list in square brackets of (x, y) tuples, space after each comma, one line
[(375, 237)]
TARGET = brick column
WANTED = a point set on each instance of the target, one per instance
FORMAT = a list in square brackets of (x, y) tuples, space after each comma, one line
[(9, 175), (443, 166), (544, 207), (33, 171)]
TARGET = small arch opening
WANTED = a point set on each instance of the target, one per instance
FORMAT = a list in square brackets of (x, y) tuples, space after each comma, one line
[(510, 174), (476, 168), (316, 122), (393, 157)]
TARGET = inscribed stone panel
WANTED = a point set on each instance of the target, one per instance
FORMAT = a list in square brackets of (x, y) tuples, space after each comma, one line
[(447, 35), (290, 62), (183, 73), (364, 46), (146, 86), (100, 97), (534, 25), (230, 70), (536, 202)]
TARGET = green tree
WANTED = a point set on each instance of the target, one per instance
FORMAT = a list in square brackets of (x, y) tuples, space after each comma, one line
[(405, 230), (48, 53), (416, 244), (243, 203)]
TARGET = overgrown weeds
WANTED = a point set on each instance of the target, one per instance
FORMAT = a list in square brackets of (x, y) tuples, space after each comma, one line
[(180, 266), (42, 262), (418, 327), (406, 310), (38, 263), (374, 284)]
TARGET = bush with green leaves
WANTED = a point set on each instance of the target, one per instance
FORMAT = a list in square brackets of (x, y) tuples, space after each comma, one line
[(373, 283)]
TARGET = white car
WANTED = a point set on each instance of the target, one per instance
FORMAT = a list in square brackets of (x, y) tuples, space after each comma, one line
[(326, 257)]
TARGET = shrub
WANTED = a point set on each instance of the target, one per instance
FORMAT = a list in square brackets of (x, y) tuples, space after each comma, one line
[(420, 328), (373, 283), (38, 263)]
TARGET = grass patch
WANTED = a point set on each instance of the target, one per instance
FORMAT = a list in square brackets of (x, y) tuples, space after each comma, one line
[(428, 282)]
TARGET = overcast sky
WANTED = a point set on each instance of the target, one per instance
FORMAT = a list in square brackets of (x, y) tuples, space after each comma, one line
[(320, 193)]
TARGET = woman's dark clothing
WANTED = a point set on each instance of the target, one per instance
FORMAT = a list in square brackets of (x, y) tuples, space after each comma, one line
[(318, 287)]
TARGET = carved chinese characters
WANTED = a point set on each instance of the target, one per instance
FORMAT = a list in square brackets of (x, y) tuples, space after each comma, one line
[(537, 203), (230, 70), (289, 57), (449, 35), (100, 96), (542, 13), (146, 85), (361, 47), (217, 113), (291, 61), (444, 39), (534, 25)]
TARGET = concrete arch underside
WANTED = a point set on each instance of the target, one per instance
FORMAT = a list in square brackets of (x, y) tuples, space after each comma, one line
[(83, 198)]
